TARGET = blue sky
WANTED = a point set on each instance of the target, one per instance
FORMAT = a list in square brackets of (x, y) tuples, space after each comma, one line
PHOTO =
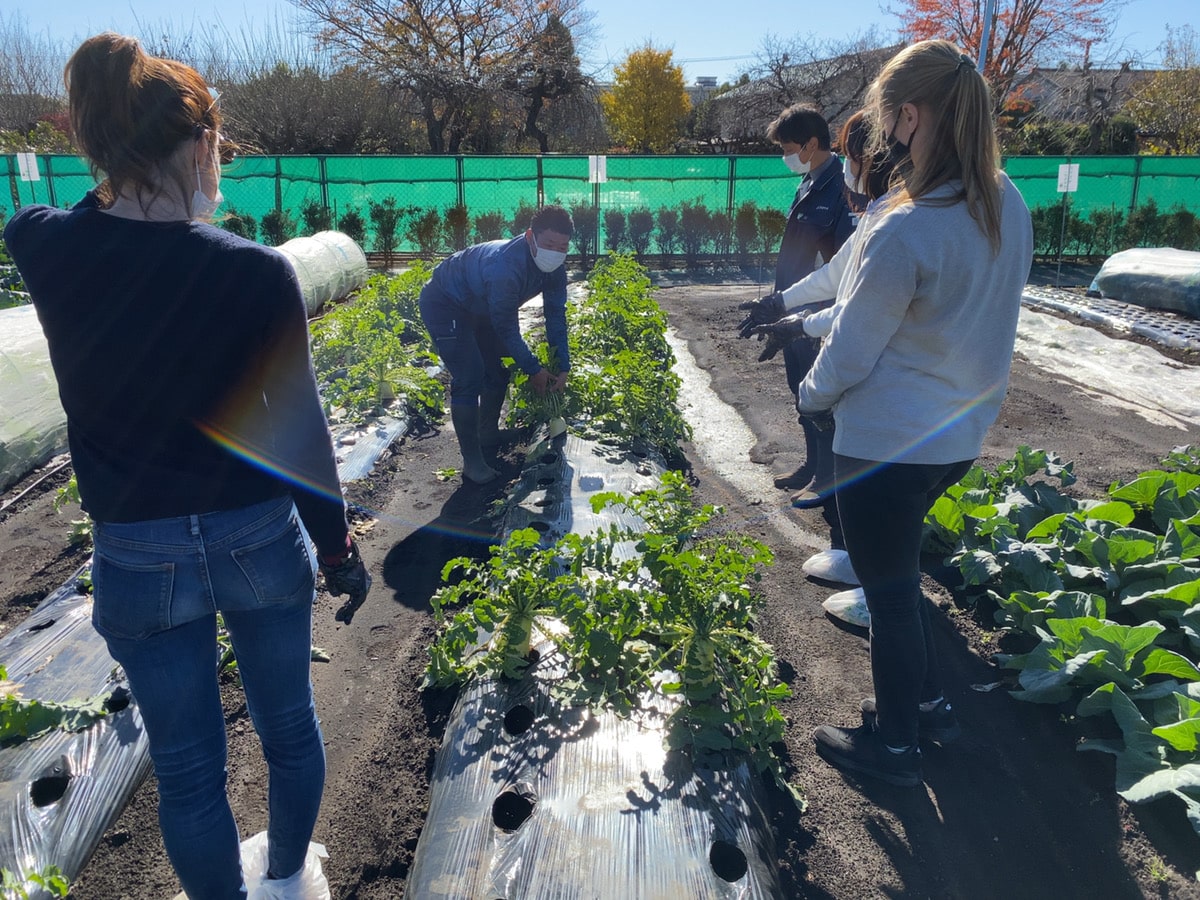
[(718, 39)]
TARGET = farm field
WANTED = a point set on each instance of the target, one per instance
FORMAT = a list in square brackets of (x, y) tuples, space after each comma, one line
[(1009, 810)]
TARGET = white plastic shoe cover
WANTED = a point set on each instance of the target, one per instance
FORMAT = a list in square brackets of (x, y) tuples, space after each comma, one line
[(831, 565), (849, 606), (307, 884)]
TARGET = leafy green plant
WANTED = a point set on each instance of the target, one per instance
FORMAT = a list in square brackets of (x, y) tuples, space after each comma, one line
[(745, 231), (522, 217), (489, 226), (239, 223), (352, 224), (695, 229), (316, 216), (614, 229), (278, 227), (673, 617), (622, 385), (586, 219), (667, 220), (373, 352), (385, 220), (425, 230), (457, 225), (50, 880), (641, 230), (1110, 590), (81, 528), (23, 719)]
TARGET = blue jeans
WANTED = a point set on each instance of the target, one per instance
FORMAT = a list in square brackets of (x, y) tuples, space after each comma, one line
[(468, 347), (882, 507), (158, 586)]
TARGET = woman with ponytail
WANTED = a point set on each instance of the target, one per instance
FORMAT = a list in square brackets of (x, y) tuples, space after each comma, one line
[(914, 370), (201, 452)]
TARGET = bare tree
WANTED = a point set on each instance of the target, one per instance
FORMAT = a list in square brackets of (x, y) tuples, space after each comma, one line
[(31, 82), (454, 56), (830, 75)]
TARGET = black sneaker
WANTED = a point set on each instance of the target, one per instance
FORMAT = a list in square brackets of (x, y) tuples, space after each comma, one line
[(797, 479), (939, 724), (862, 750)]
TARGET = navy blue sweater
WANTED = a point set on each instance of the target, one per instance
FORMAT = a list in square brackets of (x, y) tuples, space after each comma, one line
[(182, 360)]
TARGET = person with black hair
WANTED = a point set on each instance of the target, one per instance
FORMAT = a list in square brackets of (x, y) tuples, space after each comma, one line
[(818, 223), (867, 178), (470, 307)]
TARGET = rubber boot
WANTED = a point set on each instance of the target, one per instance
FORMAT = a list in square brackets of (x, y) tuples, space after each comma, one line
[(820, 452), (490, 404), (466, 425)]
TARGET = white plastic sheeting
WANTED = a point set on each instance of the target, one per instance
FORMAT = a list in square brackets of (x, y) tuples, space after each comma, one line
[(33, 425), (1158, 277), (329, 265), (535, 800)]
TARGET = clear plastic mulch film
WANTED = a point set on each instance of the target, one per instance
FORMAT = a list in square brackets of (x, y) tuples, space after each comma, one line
[(532, 799), (61, 791), (33, 426)]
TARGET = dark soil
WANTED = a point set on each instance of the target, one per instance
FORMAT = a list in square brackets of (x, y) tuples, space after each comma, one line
[(1010, 810)]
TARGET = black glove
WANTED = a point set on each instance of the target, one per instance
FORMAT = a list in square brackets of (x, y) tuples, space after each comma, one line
[(780, 334), (351, 578), (762, 311), (823, 420)]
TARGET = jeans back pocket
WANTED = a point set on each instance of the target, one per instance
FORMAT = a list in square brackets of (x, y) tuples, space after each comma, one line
[(278, 568), (131, 600)]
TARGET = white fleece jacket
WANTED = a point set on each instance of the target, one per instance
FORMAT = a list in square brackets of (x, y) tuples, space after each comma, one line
[(917, 361)]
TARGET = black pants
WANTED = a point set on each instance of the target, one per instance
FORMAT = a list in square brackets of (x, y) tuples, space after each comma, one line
[(882, 508)]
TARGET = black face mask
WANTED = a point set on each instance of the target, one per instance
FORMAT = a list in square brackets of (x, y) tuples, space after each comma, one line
[(896, 149)]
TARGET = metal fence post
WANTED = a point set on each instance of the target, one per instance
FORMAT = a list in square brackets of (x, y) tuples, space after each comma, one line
[(279, 183), (1137, 178), (732, 183), (324, 181)]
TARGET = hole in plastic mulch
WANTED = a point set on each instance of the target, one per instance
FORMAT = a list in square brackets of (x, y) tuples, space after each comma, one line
[(519, 719), (727, 861), (591, 482), (118, 700), (548, 458), (49, 787), (540, 527), (514, 807), (544, 501), (42, 626), (547, 481)]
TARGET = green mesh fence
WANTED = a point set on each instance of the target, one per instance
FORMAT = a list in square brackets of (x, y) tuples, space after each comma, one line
[(499, 187)]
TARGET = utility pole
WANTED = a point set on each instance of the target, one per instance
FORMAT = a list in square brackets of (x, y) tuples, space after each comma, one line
[(989, 9)]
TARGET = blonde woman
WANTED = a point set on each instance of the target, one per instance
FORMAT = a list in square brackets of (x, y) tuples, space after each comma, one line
[(914, 370)]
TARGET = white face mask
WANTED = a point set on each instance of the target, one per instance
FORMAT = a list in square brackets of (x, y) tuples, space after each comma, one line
[(203, 206), (792, 161), (853, 182), (547, 260)]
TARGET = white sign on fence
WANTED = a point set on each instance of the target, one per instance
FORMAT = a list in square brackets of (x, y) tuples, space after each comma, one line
[(27, 164), (597, 169), (1068, 178)]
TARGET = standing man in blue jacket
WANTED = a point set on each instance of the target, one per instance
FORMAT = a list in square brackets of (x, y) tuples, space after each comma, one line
[(470, 307), (819, 222)]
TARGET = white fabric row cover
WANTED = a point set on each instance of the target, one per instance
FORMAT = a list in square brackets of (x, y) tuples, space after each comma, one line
[(328, 264), (33, 426), (1156, 278)]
